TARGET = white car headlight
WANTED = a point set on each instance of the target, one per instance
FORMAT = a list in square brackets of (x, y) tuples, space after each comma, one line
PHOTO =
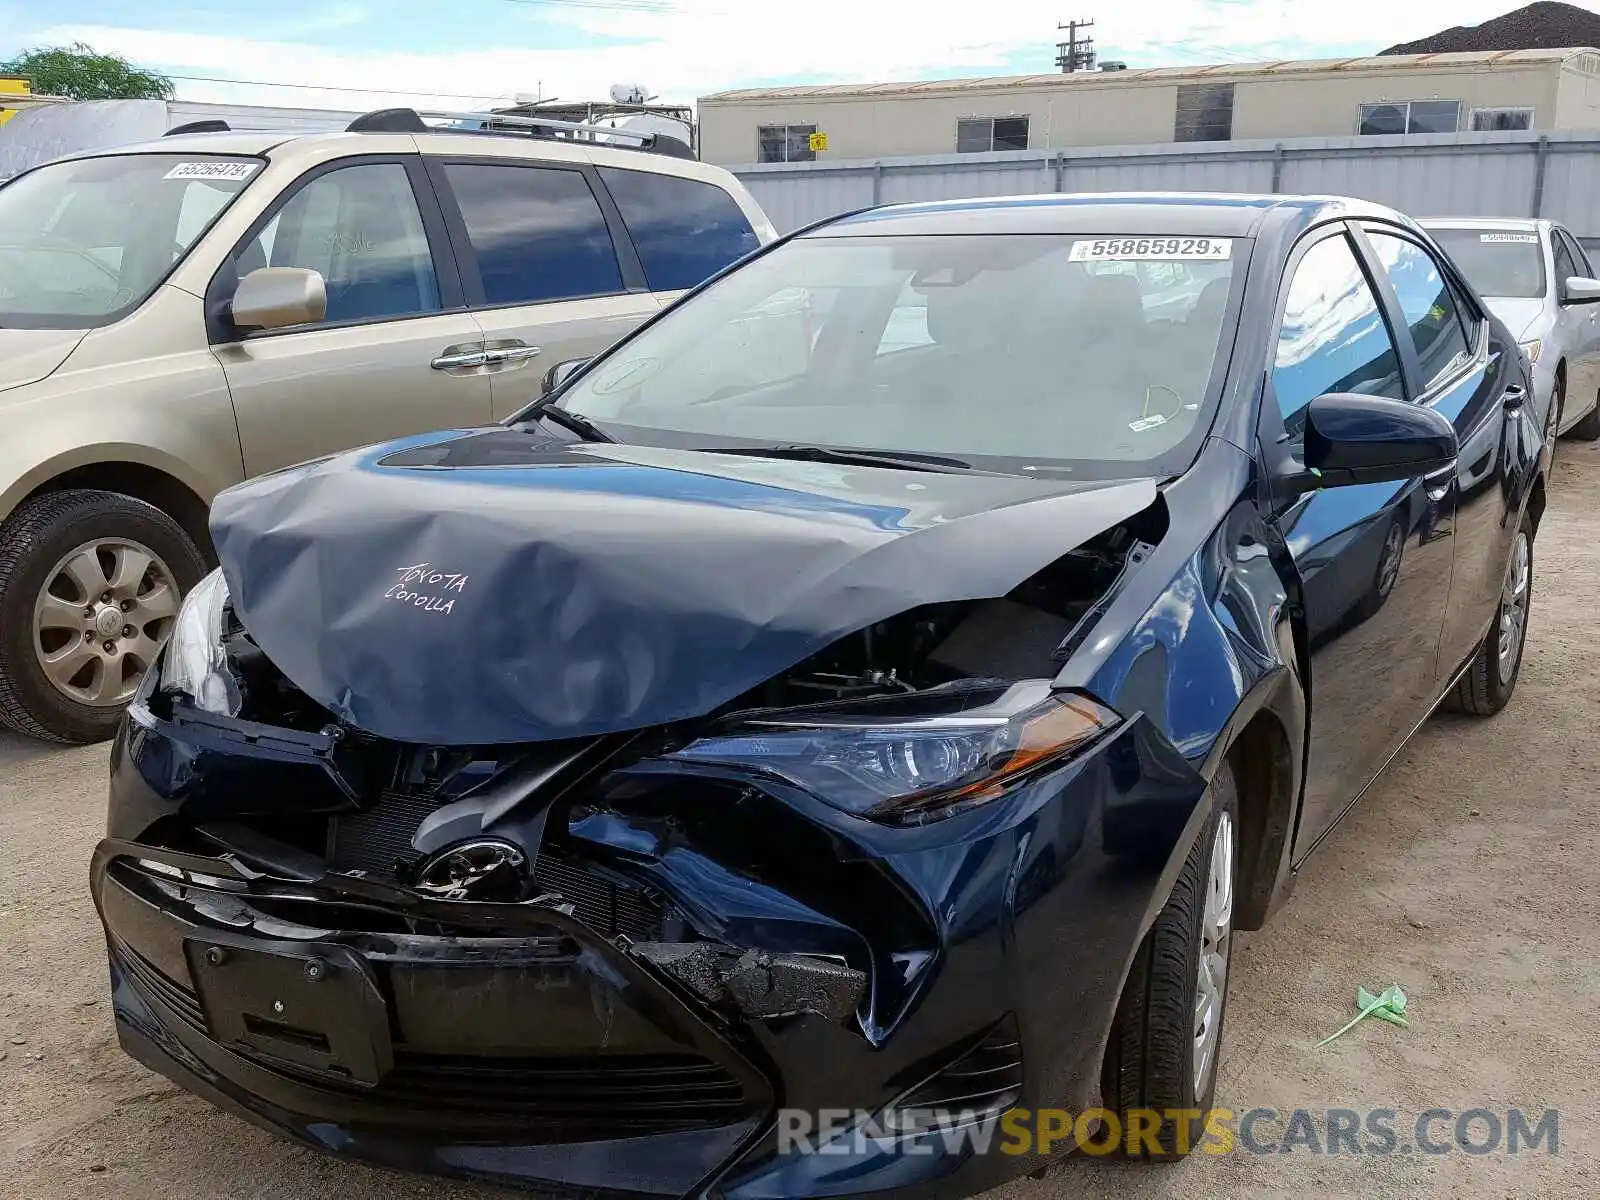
[(1531, 349), (194, 660)]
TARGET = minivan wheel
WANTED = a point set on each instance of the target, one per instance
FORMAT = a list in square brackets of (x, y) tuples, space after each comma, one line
[(90, 583), (1487, 686), (1166, 1038)]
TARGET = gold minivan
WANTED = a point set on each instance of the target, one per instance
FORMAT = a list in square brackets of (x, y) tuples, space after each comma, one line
[(178, 316)]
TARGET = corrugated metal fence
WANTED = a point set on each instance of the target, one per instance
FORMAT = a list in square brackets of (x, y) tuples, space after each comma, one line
[(1553, 175)]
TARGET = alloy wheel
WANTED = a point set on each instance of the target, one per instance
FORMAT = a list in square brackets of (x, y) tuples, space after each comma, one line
[(1514, 608), (100, 619), (1211, 983)]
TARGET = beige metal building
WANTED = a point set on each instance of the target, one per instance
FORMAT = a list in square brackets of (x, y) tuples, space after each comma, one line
[(1429, 93)]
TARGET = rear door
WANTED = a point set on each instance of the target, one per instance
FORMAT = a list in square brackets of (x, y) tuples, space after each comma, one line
[(1374, 559), (546, 266), (396, 354), (1581, 324), (1463, 371)]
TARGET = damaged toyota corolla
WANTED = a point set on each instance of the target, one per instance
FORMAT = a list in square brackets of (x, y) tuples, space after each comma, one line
[(882, 684)]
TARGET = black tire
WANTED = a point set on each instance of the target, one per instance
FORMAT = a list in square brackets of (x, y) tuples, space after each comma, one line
[(32, 539), (1485, 689), (1386, 573), (1150, 1056), (1588, 429)]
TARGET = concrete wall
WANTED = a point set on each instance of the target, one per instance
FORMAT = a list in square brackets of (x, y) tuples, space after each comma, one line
[(1101, 110), (1578, 95), (1553, 175)]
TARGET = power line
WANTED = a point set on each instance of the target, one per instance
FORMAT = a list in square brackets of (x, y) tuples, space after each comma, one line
[(329, 87)]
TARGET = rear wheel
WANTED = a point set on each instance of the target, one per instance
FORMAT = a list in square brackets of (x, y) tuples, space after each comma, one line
[(1487, 686), (1167, 1035), (89, 588)]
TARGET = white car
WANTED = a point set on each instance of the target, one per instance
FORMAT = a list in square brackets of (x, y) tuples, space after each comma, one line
[(1537, 279)]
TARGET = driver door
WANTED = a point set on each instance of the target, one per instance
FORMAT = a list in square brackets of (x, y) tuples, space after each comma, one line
[(1375, 559)]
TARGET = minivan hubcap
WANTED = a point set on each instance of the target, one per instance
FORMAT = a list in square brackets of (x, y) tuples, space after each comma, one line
[(1514, 607), (1211, 984), (101, 618)]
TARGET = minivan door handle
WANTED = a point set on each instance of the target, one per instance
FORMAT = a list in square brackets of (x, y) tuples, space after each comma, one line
[(511, 350), (462, 357)]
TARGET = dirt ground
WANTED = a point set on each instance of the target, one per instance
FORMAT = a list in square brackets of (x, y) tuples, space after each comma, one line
[(1470, 875)]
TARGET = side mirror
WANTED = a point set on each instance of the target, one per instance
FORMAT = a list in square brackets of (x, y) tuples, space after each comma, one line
[(560, 373), (1578, 290), (1351, 438), (277, 297)]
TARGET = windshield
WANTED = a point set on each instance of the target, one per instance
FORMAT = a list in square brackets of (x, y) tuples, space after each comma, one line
[(1496, 262), (1089, 355), (84, 242)]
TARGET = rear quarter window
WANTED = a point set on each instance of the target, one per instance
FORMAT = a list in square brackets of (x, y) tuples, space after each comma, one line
[(684, 230)]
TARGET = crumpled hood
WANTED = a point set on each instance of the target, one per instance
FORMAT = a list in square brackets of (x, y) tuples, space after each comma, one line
[(493, 586), (1518, 315), (29, 355)]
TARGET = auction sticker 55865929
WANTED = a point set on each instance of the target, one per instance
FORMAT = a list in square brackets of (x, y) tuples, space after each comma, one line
[(1147, 249)]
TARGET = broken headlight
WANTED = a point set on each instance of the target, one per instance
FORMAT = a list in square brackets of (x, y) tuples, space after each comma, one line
[(195, 661), (916, 764)]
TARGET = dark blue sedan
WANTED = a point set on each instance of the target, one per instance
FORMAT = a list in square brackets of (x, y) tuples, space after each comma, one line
[(828, 742)]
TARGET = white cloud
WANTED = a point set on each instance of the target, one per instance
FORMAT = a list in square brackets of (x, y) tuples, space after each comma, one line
[(701, 46)]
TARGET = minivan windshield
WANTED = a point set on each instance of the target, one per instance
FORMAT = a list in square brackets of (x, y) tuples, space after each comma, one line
[(1085, 354), (1507, 263), (84, 242)]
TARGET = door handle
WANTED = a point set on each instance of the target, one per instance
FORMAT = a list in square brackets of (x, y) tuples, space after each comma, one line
[(495, 355), (454, 359), (1513, 397)]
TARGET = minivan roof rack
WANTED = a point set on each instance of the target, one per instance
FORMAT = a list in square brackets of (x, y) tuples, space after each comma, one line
[(410, 120), (212, 125)]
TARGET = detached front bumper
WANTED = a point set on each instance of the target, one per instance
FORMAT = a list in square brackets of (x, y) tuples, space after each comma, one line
[(524, 1044)]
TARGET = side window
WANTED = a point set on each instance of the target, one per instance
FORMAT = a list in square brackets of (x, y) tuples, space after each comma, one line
[(684, 230), (360, 229), (1426, 301), (1575, 253), (538, 233), (1333, 337)]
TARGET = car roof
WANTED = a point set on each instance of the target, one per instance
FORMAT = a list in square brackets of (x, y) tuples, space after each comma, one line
[(1520, 224), (1159, 214), (264, 143)]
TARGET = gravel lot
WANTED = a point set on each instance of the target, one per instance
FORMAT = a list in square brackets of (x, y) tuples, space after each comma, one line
[(1469, 876)]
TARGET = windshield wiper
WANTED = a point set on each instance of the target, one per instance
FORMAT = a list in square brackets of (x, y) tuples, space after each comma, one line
[(904, 460), (570, 421)]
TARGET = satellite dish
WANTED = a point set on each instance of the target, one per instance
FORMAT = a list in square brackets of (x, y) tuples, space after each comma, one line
[(630, 93)]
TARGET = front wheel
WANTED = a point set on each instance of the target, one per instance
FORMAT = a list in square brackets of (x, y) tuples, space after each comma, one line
[(1487, 686), (1167, 1034), (90, 583), (1588, 429)]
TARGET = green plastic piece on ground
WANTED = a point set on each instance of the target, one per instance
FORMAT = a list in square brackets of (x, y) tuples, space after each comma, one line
[(1391, 1007)]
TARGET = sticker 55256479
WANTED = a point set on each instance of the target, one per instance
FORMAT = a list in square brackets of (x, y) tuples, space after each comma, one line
[(1162, 249), (212, 170)]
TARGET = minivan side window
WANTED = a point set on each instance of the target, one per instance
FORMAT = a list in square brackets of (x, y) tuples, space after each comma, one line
[(684, 230), (1426, 301), (1333, 337), (360, 229), (538, 233)]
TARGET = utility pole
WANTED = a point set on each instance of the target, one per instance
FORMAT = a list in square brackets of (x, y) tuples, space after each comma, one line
[(1077, 52)]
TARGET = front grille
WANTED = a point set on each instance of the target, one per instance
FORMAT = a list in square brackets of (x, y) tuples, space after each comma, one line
[(376, 839), (182, 1002), (656, 1092)]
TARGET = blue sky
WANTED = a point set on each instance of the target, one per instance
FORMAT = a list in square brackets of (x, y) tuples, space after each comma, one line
[(364, 54)]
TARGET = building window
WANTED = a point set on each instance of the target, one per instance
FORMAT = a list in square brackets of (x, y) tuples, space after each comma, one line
[(1485, 120), (1411, 116), (786, 143), (979, 135), (1205, 113)]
